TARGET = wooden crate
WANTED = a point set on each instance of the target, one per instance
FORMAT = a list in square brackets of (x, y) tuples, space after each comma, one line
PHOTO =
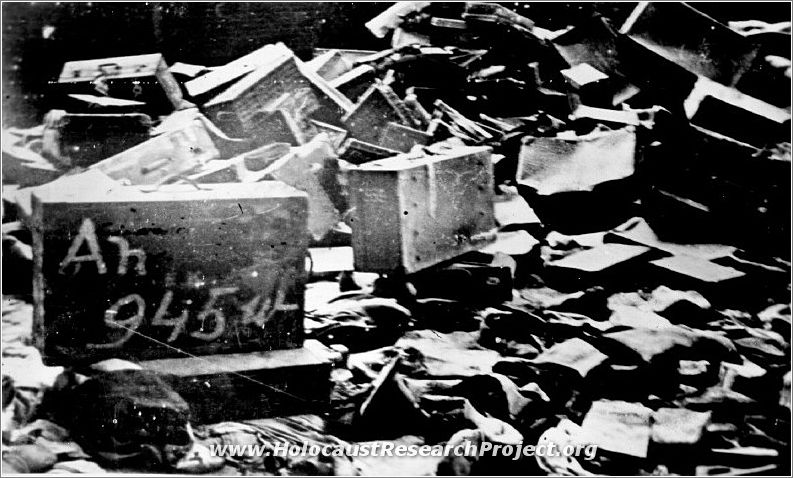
[(414, 213), (142, 273)]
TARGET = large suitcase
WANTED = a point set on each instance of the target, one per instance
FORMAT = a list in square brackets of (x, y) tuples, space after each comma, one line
[(145, 273), (143, 78), (697, 42), (84, 139), (411, 214)]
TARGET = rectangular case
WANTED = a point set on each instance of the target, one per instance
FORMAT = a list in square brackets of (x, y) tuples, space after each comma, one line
[(143, 78), (139, 273), (411, 214)]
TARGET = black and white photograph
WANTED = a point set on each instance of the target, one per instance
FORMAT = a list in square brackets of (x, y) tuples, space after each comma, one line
[(409, 238)]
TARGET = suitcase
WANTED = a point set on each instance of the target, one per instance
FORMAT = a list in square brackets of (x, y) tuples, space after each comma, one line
[(172, 153), (268, 88), (144, 273), (729, 112), (84, 139), (411, 214), (143, 78), (378, 107), (695, 41), (632, 69)]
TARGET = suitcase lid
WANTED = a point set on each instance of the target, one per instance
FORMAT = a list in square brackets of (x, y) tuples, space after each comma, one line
[(406, 161), (116, 67)]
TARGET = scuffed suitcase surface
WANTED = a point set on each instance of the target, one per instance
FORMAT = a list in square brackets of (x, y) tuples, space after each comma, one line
[(414, 213), (135, 274)]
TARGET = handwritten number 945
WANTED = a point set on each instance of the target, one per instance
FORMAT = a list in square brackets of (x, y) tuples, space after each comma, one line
[(251, 314)]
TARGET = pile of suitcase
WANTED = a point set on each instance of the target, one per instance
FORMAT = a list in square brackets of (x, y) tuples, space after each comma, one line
[(172, 209)]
